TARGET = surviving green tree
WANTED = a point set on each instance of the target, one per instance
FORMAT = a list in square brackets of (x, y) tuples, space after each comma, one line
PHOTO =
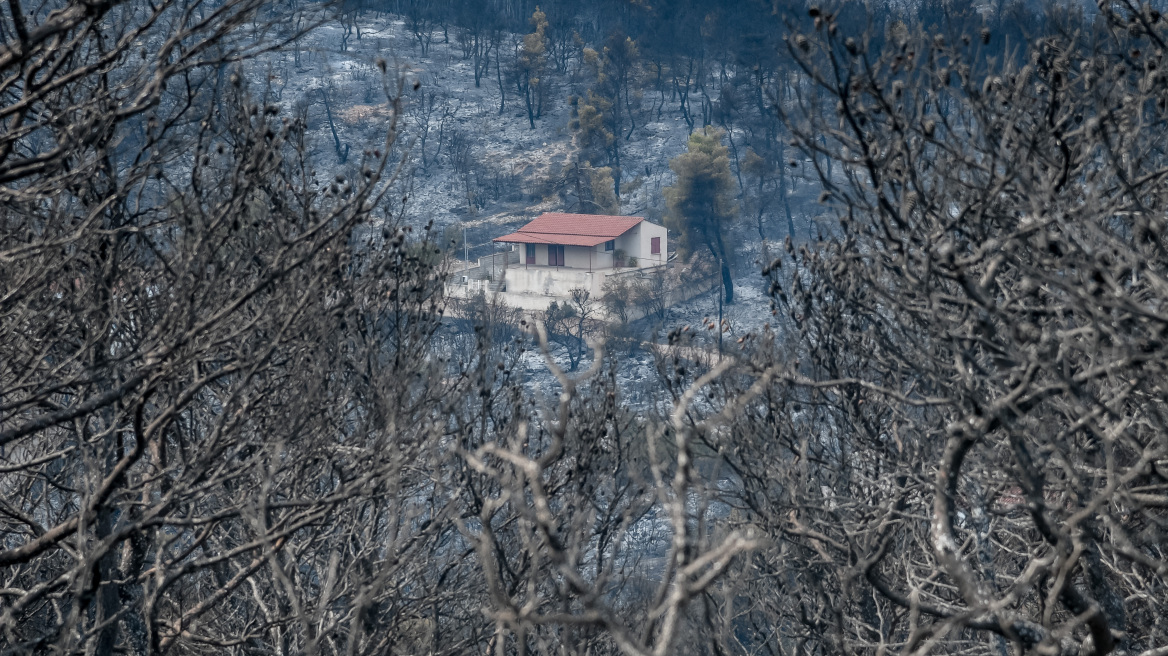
[(531, 60), (700, 205), (605, 114)]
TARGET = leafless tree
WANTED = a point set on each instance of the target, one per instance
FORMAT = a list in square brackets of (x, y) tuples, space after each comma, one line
[(617, 299), (231, 417), (421, 18), (588, 532), (649, 293), (965, 448), (432, 115), (572, 322), (204, 443), (328, 94)]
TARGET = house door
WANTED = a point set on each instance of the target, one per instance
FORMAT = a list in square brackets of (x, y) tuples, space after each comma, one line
[(555, 255)]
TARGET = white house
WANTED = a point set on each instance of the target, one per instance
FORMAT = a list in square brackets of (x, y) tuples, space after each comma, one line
[(558, 252), (589, 241)]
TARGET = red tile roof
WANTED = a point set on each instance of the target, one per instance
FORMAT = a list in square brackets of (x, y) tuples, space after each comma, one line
[(565, 240), (572, 229)]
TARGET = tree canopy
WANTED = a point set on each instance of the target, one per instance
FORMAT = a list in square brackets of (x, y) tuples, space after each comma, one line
[(701, 202)]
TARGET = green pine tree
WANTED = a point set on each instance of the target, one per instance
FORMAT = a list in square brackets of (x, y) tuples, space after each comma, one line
[(531, 64), (700, 205), (606, 115)]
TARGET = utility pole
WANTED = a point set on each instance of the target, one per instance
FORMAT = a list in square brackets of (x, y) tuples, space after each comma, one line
[(465, 249)]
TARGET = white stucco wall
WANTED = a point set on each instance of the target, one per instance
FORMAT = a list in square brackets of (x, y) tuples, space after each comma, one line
[(534, 289), (647, 232), (637, 242), (630, 242), (579, 257), (553, 281), (602, 259)]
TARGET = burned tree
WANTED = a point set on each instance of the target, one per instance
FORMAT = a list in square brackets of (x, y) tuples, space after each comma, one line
[(200, 423), (974, 412)]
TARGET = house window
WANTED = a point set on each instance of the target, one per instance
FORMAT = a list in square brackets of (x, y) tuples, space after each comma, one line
[(529, 256), (610, 245), (655, 246), (555, 255)]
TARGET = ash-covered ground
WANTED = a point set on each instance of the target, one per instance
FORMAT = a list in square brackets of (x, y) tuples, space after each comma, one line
[(477, 172)]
